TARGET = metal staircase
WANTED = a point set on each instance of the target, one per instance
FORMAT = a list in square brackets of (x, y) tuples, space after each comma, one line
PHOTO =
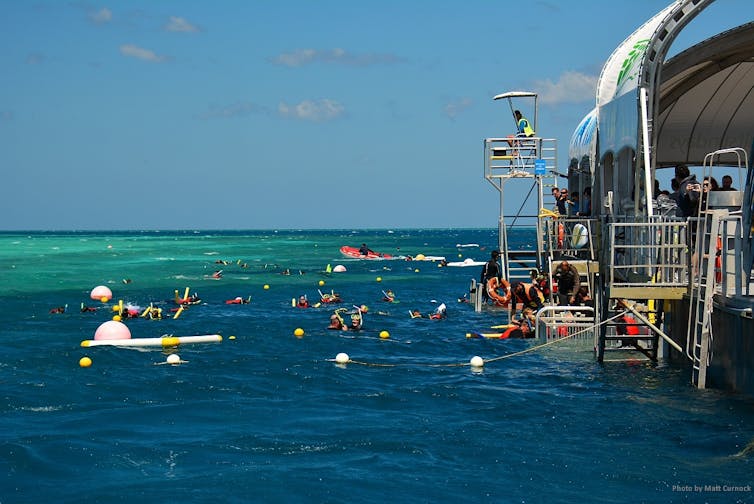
[(632, 335), (647, 265)]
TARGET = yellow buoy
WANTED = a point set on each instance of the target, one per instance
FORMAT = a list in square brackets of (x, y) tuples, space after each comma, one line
[(379, 279), (321, 283), (384, 334), (117, 318), (104, 299), (85, 362), (170, 341), (298, 332), (266, 287)]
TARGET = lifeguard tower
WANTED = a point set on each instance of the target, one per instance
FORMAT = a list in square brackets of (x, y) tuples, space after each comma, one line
[(523, 170)]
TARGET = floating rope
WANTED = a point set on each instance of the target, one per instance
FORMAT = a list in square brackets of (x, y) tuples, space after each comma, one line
[(468, 364), (569, 336), (413, 364)]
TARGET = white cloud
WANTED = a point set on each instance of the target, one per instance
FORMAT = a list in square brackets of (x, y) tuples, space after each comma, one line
[(179, 24), (297, 58), (572, 87), (238, 109), (141, 53), (453, 109), (320, 110), (35, 59), (101, 16), (302, 57)]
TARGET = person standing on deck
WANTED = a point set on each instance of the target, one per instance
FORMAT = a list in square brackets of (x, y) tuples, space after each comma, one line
[(490, 270), (689, 192), (573, 204), (569, 282), (561, 199), (727, 183)]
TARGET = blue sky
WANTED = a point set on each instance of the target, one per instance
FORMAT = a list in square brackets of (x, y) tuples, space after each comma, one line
[(297, 114)]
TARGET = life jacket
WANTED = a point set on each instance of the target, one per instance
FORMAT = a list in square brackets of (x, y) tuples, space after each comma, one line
[(532, 296), (513, 332), (524, 127), (631, 328)]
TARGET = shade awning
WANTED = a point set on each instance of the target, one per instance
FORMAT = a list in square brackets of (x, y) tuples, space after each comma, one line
[(707, 100)]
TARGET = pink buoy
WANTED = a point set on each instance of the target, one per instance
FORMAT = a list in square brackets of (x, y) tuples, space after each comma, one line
[(100, 292), (112, 330), (339, 268)]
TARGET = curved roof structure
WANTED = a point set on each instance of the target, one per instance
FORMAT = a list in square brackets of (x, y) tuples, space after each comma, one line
[(699, 101), (706, 99)]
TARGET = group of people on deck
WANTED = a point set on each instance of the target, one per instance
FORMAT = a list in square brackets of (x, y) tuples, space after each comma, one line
[(531, 295), (572, 206), (689, 195)]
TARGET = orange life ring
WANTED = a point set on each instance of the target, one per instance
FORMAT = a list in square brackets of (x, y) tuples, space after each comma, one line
[(561, 235), (493, 284)]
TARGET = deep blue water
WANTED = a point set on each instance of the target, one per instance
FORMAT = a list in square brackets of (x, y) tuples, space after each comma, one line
[(269, 417)]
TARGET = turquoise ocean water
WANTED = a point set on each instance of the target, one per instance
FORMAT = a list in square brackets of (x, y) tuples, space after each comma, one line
[(269, 417)]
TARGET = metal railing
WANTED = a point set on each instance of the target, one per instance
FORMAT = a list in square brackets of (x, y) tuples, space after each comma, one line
[(576, 322), (570, 236), (517, 157), (655, 251)]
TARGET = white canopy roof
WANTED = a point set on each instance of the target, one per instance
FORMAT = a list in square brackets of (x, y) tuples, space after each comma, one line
[(515, 94), (706, 99)]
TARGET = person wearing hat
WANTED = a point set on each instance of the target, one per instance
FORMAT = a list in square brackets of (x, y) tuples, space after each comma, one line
[(491, 269)]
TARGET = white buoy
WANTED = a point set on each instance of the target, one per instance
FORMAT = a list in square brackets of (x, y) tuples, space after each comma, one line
[(477, 362), (342, 358), (173, 359)]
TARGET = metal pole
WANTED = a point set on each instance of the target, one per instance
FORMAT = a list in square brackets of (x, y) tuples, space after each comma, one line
[(656, 329)]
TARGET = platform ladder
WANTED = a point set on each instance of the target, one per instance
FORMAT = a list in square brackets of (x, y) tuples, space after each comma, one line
[(699, 335), (517, 263)]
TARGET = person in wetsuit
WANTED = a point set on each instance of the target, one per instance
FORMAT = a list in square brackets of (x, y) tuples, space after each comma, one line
[(491, 269)]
